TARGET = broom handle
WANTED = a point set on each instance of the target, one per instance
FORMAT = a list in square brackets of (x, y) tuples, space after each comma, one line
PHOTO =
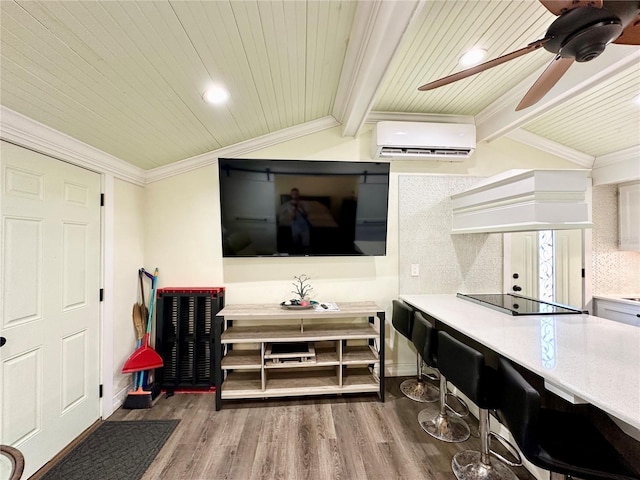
[(152, 300), (141, 287), (137, 376), (147, 273)]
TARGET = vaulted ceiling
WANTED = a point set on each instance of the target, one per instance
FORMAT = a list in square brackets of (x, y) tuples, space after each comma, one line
[(127, 77)]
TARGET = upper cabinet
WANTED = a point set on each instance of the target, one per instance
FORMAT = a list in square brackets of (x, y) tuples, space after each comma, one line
[(629, 216)]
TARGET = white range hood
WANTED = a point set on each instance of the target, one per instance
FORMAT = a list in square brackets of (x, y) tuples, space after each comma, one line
[(523, 200)]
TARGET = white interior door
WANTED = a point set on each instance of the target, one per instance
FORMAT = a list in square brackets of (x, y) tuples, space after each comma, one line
[(50, 271), (527, 273)]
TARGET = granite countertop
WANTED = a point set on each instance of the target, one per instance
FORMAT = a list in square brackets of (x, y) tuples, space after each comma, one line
[(595, 359)]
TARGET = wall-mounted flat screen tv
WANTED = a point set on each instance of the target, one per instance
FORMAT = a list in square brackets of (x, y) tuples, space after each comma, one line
[(303, 207)]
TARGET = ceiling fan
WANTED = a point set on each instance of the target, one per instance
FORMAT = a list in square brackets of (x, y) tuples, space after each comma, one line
[(581, 32)]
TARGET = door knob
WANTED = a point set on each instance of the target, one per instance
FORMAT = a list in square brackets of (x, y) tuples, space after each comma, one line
[(2, 341), (517, 288)]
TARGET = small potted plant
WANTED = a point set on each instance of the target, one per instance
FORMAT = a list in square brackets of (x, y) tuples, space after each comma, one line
[(302, 291)]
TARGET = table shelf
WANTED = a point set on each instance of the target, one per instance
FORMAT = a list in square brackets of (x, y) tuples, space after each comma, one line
[(348, 353)]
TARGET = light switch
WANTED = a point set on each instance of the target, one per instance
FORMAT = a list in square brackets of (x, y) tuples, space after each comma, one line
[(415, 269)]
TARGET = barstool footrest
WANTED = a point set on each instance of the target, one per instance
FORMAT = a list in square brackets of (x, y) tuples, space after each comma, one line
[(509, 447), (432, 376), (461, 402)]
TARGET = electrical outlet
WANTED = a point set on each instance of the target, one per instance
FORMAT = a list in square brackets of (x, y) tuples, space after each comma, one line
[(415, 270)]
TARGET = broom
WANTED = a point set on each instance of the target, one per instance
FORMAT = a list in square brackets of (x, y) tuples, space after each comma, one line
[(138, 398), (145, 357)]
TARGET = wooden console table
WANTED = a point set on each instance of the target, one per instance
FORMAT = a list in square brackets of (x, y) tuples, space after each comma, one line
[(348, 349)]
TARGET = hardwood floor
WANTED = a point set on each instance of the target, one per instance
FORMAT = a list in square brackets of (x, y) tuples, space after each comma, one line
[(349, 437)]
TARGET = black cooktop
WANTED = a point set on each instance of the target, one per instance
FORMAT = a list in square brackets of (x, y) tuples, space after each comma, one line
[(518, 304)]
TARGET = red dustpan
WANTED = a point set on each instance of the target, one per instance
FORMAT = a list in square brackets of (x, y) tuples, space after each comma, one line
[(145, 357)]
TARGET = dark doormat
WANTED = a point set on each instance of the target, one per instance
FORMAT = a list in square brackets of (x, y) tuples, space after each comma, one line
[(115, 450)]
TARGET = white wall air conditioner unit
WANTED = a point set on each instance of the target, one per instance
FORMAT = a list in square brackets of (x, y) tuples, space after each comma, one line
[(420, 140)]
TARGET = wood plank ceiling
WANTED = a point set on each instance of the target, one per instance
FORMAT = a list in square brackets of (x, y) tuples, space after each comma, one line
[(127, 77), (605, 119), (437, 39)]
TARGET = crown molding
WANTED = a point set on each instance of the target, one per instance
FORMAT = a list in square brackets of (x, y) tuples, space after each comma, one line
[(375, 117), (617, 167), (631, 153), (240, 149), (28, 133), (549, 146)]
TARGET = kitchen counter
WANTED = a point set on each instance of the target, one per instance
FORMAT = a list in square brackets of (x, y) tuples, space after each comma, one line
[(594, 359), (619, 308), (622, 298)]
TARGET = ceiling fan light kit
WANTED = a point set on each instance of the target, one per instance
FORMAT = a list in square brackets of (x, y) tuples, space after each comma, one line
[(581, 33)]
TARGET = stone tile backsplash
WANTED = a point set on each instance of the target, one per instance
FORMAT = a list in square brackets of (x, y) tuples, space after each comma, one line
[(614, 271), (448, 263)]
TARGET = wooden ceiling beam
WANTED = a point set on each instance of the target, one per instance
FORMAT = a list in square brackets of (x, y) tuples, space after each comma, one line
[(378, 29)]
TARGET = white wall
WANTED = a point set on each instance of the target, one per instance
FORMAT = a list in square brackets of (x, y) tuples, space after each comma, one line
[(182, 235), (128, 257)]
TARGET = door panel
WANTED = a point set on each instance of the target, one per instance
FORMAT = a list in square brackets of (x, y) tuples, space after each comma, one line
[(25, 370), (50, 272), (74, 266), (22, 293)]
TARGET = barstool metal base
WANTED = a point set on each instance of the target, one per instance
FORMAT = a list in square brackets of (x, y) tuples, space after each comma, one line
[(468, 465), (444, 427), (419, 391)]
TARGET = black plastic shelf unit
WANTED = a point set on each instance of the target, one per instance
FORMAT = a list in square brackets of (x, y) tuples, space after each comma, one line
[(184, 337)]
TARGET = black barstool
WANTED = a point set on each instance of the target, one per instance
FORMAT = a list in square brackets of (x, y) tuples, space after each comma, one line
[(402, 318), (481, 387), (565, 443), (445, 424), (403, 321), (425, 338)]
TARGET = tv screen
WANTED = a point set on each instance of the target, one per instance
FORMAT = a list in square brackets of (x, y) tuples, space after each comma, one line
[(303, 207)]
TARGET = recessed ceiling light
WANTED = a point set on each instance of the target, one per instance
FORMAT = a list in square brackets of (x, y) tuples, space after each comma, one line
[(472, 57), (215, 95)]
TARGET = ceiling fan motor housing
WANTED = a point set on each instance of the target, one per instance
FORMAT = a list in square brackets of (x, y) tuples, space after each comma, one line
[(583, 33)]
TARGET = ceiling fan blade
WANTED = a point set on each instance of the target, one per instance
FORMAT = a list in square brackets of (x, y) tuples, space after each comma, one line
[(558, 7), (631, 34), (483, 66), (545, 82)]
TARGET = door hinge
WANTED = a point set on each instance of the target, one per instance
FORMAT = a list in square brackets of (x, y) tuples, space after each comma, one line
[(102, 199), (102, 294), (583, 273), (100, 391)]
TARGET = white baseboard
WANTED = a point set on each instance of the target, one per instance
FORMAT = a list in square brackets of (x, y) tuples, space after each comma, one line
[(400, 369), (120, 396)]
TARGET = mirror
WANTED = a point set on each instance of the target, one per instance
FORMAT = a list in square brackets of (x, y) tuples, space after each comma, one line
[(545, 264)]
